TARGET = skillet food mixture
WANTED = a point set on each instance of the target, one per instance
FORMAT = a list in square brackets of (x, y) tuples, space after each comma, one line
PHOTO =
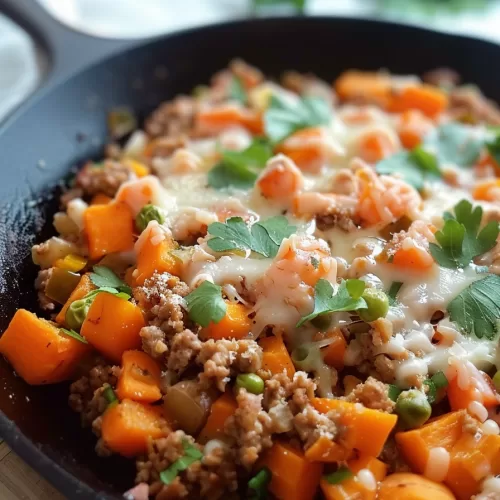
[(284, 291)]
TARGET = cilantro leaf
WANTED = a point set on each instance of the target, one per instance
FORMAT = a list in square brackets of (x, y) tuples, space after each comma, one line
[(259, 484), (262, 237), (73, 334), (325, 301), (239, 169), (205, 304), (237, 91), (393, 292), (476, 310), (454, 143), (284, 116), (191, 455), (460, 240), (104, 277), (413, 166)]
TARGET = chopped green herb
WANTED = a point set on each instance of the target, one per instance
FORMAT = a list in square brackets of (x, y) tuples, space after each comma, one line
[(104, 277), (263, 237), (393, 292), (191, 455), (476, 310), (75, 335), (393, 392), (325, 301), (460, 240), (315, 262), (110, 396), (340, 475), (285, 116), (440, 380), (259, 484), (237, 91), (431, 391), (205, 304), (494, 149)]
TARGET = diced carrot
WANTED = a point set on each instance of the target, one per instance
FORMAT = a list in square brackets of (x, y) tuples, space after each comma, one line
[(487, 190), (112, 326), (442, 432), (364, 86), (281, 179), (249, 75), (139, 378), (234, 325), (223, 408), (293, 476), (376, 145), (407, 486), (84, 286), (39, 352), (480, 388), (276, 358), (414, 258), (366, 430), (352, 487), (486, 164), (413, 127), (326, 450), (218, 118), (333, 354), (153, 255), (109, 228), (431, 101), (139, 169), (472, 459), (127, 427), (101, 199)]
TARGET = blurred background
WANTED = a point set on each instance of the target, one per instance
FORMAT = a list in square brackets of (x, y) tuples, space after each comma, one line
[(19, 73)]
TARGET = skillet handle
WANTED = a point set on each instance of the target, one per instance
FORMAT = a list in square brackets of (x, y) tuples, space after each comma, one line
[(69, 50)]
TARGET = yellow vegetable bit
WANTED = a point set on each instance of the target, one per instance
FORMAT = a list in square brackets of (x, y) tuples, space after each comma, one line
[(71, 262), (137, 167)]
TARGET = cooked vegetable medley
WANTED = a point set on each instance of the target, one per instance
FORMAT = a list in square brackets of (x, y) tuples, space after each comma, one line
[(284, 290)]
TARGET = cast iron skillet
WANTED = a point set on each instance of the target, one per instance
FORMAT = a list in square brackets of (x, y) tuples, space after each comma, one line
[(64, 123)]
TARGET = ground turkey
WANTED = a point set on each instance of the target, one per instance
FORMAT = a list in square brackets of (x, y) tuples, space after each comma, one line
[(372, 394), (103, 178)]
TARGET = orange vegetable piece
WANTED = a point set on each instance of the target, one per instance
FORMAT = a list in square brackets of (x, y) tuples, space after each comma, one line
[(408, 486), (487, 190), (38, 351), (293, 476), (413, 127), (333, 354), (84, 286), (364, 86), (472, 458), (234, 325), (153, 257), (480, 389), (366, 430), (326, 450), (223, 408), (280, 180), (442, 432), (100, 199), (353, 487), (414, 258), (430, 100), (109, 228), (112, 326), (375, 146), (217, 118), (276, 357), (139, 378), (127, 427)]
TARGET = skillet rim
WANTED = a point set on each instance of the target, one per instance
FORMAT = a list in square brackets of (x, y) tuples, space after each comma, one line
[(29, 451)]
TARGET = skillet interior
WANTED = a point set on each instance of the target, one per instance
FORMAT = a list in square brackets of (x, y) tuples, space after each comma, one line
[(61, 126)]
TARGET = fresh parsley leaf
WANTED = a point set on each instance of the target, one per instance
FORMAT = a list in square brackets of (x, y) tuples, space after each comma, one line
[(73, 334), (284, 116), (454, 143), (262, 237), (237, 91), (340, 475), (476, 310), (259, 484), (205, 304), (112, 291), (191, 455), (239, 169), (413, 166), (460, 240), (393, 292), (393, 392), (104, 277), (325, 301)]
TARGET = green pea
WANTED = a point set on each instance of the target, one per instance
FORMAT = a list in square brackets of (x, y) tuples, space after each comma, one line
[(77, 312), (147, 214), (251, 382), (496, 381), (413, 408), (378, 305)]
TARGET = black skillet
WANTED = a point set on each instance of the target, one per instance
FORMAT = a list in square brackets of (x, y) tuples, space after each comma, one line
[(64, 123)]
